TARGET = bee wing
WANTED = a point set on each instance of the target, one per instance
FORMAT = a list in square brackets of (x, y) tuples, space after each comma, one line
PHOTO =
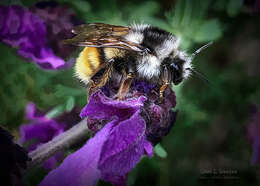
[(103, 35)]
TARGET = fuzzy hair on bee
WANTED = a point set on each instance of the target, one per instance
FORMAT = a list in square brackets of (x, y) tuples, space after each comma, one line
[(138, 51)]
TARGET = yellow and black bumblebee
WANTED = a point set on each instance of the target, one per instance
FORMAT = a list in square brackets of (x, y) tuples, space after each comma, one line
[(138, 51)]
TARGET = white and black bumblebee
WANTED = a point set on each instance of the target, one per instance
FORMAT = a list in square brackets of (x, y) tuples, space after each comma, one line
[(139, 51)]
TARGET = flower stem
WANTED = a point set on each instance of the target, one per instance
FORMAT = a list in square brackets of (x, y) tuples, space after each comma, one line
[(60, 142)]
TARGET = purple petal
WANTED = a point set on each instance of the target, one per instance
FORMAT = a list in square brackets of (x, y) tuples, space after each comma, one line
[(81, 167), (102, 107), (43, 129), (124, 147), (144, 87), (113, 151), (148, 147), (32, 113), (126, 143), (44, 56), (39, 133)]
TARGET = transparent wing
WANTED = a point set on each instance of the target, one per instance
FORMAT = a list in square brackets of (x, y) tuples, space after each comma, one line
[(103, 35)]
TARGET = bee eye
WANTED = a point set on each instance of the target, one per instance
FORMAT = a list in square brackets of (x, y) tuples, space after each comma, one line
[(174, 66), (176, 73)]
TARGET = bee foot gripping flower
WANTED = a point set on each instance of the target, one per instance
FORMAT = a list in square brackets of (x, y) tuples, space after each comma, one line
[(126, 129)]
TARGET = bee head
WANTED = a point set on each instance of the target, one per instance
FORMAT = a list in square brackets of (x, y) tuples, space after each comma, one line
[(176, 69), (178, 66), (162, 50)]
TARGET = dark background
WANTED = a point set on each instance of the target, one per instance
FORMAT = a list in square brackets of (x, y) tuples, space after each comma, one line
[(208, 144)]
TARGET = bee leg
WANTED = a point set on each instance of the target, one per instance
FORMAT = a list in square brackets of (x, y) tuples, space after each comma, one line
[(166, 79), (125, 85), (162, 89), (91, 88), (94, 86)]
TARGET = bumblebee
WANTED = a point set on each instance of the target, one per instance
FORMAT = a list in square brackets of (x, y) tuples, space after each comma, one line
[(139, 51)]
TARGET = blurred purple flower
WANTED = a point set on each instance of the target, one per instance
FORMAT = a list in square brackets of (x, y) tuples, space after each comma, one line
[(42, 129), (256, 7), (129, 128), (30, 34), (59, 21), (253, 134)]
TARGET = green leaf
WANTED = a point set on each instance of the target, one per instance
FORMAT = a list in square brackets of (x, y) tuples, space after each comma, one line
[(178, 12), (233, 7), (220, 5), (143, 11), (70, 104), (160, 151), (56, 111), (81, 6), (208, 31), (63, 91), (187, 14)]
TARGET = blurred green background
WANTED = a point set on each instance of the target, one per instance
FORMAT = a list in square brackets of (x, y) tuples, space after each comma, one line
[(210, 131)]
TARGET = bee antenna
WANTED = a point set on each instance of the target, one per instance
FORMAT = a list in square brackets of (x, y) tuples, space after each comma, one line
[(199, 75), (200, 49)]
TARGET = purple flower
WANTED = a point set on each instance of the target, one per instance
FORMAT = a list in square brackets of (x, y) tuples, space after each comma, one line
[(22, 29), (256, 7), (114, 150), (126, 131), (42, 129), (253, 134), (253, 5)]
